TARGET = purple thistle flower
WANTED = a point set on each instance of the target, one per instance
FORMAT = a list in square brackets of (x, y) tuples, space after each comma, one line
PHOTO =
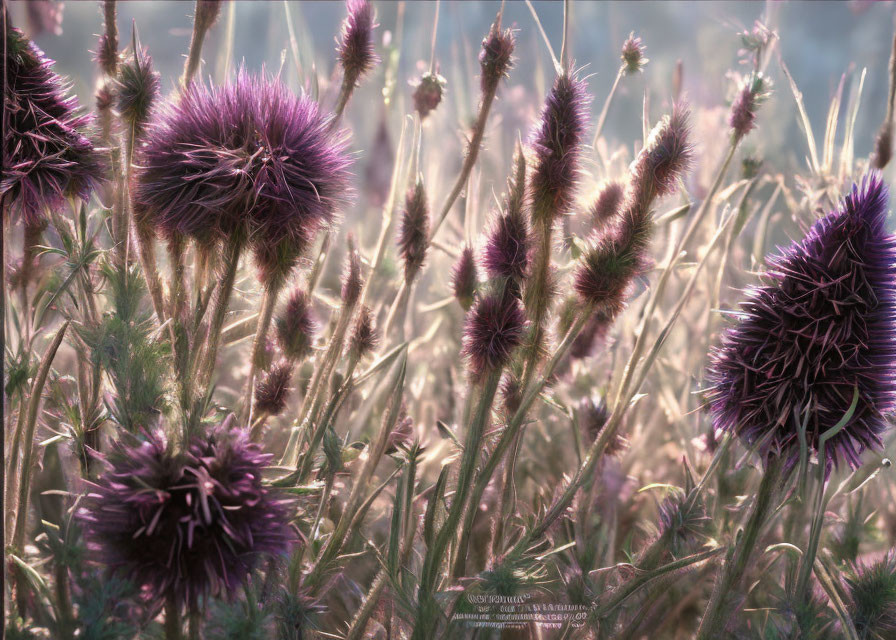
[(186, 525), (356, 52), (742, 117), (465, 278), (106, 55), (684, 521), (296, 326), (46, 154), (137, 87), (496, 57), (819, 328), (666, 156), (607, 204), (352, 283), (413, 233), (245, 158), (607, 270), (556, 147), (492, 331), (508, 245), (272, 391), (428, 93), (364, 338), (633, 60)]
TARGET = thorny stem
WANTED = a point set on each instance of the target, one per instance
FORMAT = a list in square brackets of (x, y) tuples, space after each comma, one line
[(194, 58), (602, 118), (719, 608), (435, 555)]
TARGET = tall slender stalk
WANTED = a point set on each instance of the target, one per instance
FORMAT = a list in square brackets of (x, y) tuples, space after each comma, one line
[(719, 608), (268, 302)]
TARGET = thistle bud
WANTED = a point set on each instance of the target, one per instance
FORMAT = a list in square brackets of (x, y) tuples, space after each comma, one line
[(607, 204), (556, 147), (511, 393), (402, 435), (752, 93), (136, 87), (104, 98), (352, 283), (883, 146), (495, 59), (413, 234), (665, 158), (107, 55), (507, 247), (872, 595), (465, 278), (364, 336), (493, 330), (356, 50), (272, 391), (428, 93), (633, 60), (296, 326)]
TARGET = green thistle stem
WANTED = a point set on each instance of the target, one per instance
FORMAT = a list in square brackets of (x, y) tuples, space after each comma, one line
[(719, 608), (268, 302)]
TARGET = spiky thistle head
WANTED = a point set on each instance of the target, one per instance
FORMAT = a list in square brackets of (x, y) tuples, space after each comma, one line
[(465, 278), (556, 147), (47, 156), (493, 330), (364, 338), (428, 93), (413, 233), (592, 414), (607, 204), (106, 55), (352, 281), (247, 159), (633, 60), (356, 51), (816, 336), (607, 269), (753, 91), (272, 390), (496, 57), (872, 594), (296, 326), (666, 157), (136, 87), (507, 246), (185, 525), (682, 518)]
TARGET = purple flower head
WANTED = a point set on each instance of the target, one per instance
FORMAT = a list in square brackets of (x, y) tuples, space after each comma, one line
[(106, 55), (666, 156), (465, 278), (507, 246), (607, 270), (753, 91), (428, 93), (496, 57), (46, 154), (607, 204), (247, 159), (272, 390), (633, 59), (364, 338), (413, 233), (137, 87), (492, 331), (186, 525), (556, 148), (356, 52), (296, 326), (352, 283), (819, 329)]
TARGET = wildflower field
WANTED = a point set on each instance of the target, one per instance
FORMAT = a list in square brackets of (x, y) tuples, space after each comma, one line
[(453, 329)]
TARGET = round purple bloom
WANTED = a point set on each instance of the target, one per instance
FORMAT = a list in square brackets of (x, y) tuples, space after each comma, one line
[(496, 57), (633, 59), (187, 525), (556, 145), (46, 155), (607, 204), (493, 330), (247, 158), (137, 87), (272, 390), (428, 93), (507, 247), (819, 328)]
